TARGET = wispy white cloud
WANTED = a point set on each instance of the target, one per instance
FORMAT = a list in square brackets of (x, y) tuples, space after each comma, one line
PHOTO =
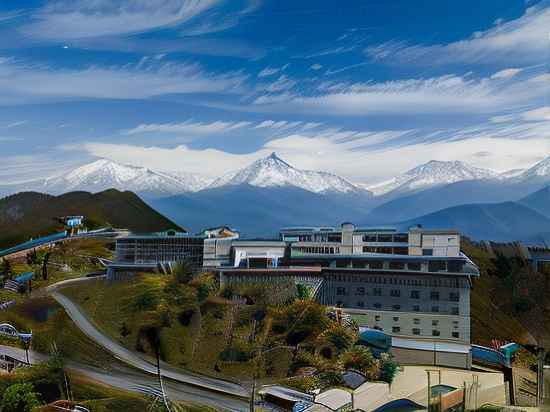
[(23, 83), (523, 41), (444, 94), (270, 71), (316, 66), (188, 127), (506, 73), (75, 19), (16, 124), (540, 114), (283, 83)]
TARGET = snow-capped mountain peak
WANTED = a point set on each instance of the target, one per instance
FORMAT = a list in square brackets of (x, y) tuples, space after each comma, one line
[(272, 171), (539, 171), (104, 174), (430, 174)]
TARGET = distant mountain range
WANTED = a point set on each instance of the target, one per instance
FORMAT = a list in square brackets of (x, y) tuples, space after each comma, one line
[(270, 193)]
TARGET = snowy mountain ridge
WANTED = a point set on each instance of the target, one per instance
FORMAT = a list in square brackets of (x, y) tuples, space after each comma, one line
[(104, 174), (272, 171), (430, 174)]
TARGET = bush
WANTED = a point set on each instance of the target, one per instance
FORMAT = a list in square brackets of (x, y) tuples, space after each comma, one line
[(148, 300), (20, 397), (340, 337), (360, 358)]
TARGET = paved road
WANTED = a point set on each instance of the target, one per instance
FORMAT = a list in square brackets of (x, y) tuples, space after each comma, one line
[(129, 379), (140, 362)]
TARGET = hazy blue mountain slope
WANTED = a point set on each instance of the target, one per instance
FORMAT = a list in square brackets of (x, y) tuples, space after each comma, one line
[(539, 201), (499, 222), (454, 194), (260, 211)]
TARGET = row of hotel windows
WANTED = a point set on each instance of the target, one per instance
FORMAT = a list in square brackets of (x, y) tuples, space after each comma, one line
[(386, 238), (432, 265), (417, 331), (396, 293), (321, 250), (404, 281), (416, 308)]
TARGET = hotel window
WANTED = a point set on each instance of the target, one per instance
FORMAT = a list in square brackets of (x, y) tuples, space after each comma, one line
[(401, 238), (435, 308), (455, 266), (416, 321), (360, 304), (385, 238), (395, 319), (416, 266), (415, 294), (427, 252), (396, 293), (369, 238), (435, 332), (377, 291), (397, 265), (360, 291), (377, 318), (396, 329), (437, 266), (454, 310), (454, 296), (434, 295), (377, 305), (416, 308), (435, 322), (456, 335), (416, 331), (376, 265), (341, 291), (396, 307)]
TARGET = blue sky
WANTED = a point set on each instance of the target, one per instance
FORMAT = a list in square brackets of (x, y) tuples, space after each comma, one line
[(366, 89)]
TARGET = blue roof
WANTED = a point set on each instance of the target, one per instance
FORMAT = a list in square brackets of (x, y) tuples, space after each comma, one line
[(33, 243), (25, 277)]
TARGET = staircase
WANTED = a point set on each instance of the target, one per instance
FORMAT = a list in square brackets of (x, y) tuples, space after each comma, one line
[(11, 285)]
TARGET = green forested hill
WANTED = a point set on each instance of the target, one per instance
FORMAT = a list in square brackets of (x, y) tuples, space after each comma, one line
[(31, 214)]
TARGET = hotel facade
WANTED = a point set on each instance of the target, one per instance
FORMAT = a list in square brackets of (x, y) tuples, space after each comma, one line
[(412, 285)]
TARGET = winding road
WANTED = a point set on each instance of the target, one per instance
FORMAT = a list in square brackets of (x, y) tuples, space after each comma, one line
[(125, 378), (180, 384)]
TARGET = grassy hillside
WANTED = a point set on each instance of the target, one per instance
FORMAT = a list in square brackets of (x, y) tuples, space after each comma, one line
[(508, 300), (31, 214)]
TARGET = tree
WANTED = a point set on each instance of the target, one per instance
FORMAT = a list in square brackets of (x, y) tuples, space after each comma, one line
[(6, 269), (388, 368), (20, 397), (359, 358), (45, 266), (340, 337), (183, 272)]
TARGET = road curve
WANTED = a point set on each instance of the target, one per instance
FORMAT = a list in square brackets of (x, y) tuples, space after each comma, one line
[(137, 361), (125, 378)]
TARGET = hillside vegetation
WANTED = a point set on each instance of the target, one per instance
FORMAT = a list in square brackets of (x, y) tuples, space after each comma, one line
[(509, 300), (30, 214)]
